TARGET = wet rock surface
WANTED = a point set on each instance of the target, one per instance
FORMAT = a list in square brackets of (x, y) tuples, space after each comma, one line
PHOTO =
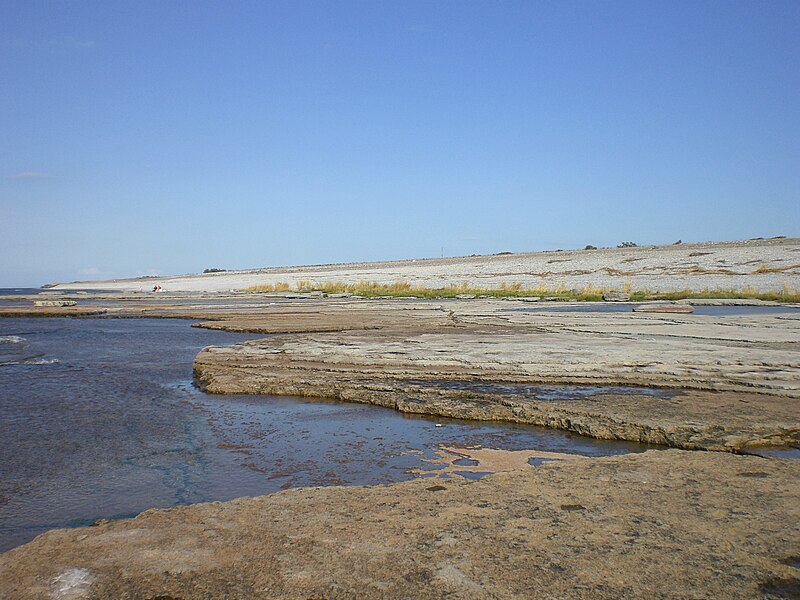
[(676, 308), (671, 524), (57, 303), (666, 524), (737, 376)]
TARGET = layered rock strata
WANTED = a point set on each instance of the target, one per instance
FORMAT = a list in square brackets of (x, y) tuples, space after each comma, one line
[(735, 379), (764, 265)]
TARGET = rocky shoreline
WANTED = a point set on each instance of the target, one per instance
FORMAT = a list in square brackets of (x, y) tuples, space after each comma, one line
[(663, 524), (667, 524), (734, 380), (759, 264)]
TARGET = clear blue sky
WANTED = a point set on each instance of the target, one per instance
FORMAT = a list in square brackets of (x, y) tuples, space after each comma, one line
[(167, 137)]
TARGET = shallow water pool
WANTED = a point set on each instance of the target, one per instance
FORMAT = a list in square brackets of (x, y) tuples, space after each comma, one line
[(99, 419)]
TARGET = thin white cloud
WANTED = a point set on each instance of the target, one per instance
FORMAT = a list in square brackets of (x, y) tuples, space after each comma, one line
[(30, 175), (89, 271)]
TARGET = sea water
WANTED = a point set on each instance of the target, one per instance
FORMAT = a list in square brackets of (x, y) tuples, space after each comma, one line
[(99, 418)]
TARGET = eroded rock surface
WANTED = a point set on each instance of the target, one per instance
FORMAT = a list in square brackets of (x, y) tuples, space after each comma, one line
[(737, 377), (764, 265), (669, 524)]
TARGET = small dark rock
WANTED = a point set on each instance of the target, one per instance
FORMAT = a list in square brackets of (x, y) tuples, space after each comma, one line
[(781, 587), (792, 561)]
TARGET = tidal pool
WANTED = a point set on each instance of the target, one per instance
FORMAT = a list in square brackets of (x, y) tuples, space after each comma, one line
[(100, 419)]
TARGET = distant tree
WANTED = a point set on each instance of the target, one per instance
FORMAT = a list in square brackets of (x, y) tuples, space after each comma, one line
[(590, 247), (215, 270), (628, 245)]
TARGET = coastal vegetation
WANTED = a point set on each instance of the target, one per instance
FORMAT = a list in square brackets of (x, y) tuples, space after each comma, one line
[(768, 269), (404, 289)]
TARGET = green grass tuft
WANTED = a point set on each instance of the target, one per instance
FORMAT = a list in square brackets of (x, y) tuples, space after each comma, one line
[(403, 289)]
